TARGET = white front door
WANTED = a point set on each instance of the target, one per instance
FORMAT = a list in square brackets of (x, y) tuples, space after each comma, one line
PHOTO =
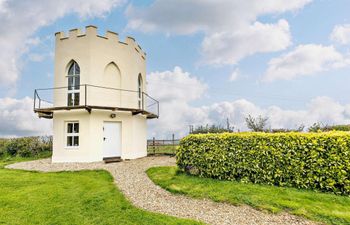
[(111, 139)]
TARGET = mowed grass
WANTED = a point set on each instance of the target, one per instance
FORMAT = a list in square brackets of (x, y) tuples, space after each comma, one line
[(327, 208), (84, 197)]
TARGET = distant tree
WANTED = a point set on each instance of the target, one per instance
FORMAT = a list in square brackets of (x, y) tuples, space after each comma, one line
[(320, 127), (286, 130), (316, 127), (257, 124), (211, 129), (340, 127)]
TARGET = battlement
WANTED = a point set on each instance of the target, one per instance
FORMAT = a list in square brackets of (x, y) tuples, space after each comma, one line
[(91, 31)]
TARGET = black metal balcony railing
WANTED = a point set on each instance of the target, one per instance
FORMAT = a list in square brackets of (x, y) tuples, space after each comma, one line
[(48, 100)]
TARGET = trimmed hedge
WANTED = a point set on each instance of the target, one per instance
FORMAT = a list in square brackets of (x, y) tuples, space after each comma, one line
[(318, 161)]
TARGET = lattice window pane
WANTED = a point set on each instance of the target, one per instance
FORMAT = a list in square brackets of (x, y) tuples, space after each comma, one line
[(77, 69), (76, 140), (71, 70), (76, 127), (70, 83), (69, 141), (77, 82), (76, 98), (70, 99), (69, 128)]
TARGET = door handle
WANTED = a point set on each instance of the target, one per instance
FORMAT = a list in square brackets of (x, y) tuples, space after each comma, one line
[(104, 138)]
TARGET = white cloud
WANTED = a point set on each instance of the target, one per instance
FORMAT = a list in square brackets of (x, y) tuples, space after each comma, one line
[(35, 57), (341, 34), (188, 17), (320, 109), (234, 75), (230, 47), (175, 85), (176, 89), (21, 19), (18, 119), (231, 29), (305, 60)]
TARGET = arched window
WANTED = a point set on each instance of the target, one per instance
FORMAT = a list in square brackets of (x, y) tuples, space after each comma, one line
[(73, 84), (139, 85)]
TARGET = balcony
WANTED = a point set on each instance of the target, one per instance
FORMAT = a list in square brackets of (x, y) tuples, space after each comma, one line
[(90, 97)]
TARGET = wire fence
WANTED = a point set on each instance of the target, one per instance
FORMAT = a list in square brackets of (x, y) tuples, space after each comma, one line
[(162, 146)]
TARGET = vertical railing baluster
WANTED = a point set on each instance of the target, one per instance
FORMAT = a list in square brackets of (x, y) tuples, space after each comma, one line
[(34, 99), (157, 108), (85, 95), (173, 140)]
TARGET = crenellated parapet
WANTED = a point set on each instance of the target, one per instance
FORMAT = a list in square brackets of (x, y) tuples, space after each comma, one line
[(91, 31)]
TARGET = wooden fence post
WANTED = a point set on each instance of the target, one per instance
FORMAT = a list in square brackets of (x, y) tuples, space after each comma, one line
[(154, 145), (174, 144)]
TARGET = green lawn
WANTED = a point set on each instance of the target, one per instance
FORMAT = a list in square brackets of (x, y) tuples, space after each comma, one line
[(12, 159), (85, 197), (327, 208)]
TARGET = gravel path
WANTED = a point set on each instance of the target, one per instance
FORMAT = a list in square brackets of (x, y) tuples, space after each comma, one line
[(131, 178)]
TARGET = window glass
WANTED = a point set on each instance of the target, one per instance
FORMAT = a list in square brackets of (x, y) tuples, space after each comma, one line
[(74, 69), (76, 98), (69, 141), (77, 69), (70, 99), (72, 134), (71, 70), (70, 83), (76, 82), (76, 127), (73, 84), (139, 85), (70, 128), (76, 141)]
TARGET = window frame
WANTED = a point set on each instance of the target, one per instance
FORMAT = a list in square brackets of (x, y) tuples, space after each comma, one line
[(74, 89), (73, 134), (140, 91)]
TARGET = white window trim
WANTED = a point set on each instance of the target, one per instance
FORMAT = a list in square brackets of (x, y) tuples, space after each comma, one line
[(71, 135)]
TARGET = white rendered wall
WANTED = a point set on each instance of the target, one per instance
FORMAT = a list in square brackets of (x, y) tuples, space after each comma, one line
[(93, 54), (91, 136)]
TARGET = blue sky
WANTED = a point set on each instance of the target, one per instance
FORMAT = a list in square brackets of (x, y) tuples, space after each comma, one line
[(176, 47)]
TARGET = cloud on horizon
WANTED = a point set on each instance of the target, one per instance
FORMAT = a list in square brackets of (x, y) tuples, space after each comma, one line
[(176, 114), (18, 119)]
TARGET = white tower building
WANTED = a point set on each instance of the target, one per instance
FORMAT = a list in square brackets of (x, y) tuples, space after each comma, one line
[(99, 104)]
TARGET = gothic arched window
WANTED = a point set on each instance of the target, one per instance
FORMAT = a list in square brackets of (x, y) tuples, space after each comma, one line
[(73, 84)]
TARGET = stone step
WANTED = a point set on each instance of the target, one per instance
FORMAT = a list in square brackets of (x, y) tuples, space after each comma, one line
[(112, 159)]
